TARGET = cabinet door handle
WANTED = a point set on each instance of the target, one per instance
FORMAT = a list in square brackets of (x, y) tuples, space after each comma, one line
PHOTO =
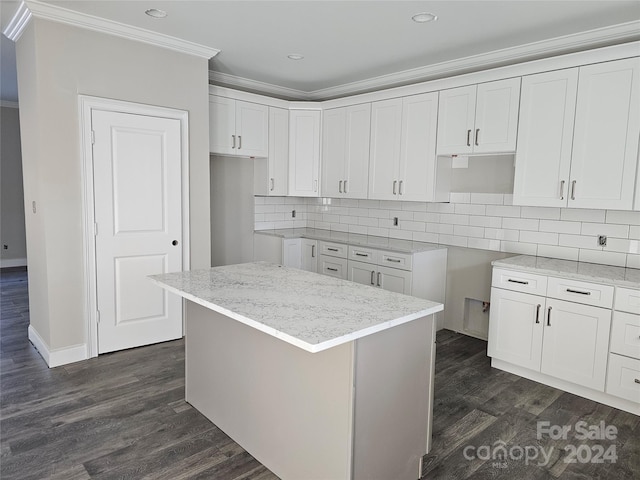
[(570, 290), (358, 254), (332, 249), (477, 133), (468, 138), (521, 282), (340, 186), (372, 279), (345, 187), (538, 313), (400, 187), (394, 186), (562, 190), (637, 380), (313, 251), (379, 277), (239, 142), (573, 190), (273, 183), (332, 269), (234, 141), (394, 260), (548, 316)]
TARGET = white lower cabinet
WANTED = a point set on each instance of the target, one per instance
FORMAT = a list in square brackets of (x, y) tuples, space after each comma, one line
[(566, 335), (332, 266), (309, 255), (391, 279), (301, 253)]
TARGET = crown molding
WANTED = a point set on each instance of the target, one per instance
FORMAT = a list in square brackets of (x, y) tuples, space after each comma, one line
[(625, 32), (218, 78), (8, 104), (35, 8)]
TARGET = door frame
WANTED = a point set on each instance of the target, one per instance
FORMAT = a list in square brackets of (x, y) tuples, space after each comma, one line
[(87, 104)]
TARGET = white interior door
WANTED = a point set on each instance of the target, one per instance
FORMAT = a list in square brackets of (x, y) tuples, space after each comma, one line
[(138, 213)]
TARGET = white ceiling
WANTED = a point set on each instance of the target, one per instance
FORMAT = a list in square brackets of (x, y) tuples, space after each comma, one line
[(347, 42)]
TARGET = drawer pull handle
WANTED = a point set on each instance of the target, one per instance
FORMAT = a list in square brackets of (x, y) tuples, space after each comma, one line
[(548, 316), (521, 282), (332, 249), (468, 138), (637, 380), (379, 283), (395, 182), (373, 282), (332, 269), (340, 186), (395, 260), (538, 313), (362, 254), (570, 290), (313, 251)]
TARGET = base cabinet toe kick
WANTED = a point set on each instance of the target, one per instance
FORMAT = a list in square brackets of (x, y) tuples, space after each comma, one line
[(569, 325)]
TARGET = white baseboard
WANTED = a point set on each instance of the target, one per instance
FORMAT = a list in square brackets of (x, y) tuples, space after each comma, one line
[(13, 262), (60, 356)]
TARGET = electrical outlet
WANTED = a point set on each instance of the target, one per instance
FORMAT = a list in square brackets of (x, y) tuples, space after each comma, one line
[(5, 247), (293, 214), (395, 221), (602, 240)]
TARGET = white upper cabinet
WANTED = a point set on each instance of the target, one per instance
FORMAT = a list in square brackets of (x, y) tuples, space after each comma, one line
[(271, 175), (238, 128), (345, 151), (479, 118), (545, 135), (578, 137), (304, 153), (605, 139), (402, 162)]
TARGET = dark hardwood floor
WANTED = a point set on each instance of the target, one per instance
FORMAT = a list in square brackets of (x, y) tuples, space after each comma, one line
[(122, 416)]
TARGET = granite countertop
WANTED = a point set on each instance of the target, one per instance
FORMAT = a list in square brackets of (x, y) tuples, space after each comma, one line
[(589, 272), (395, 244), (311, 311)]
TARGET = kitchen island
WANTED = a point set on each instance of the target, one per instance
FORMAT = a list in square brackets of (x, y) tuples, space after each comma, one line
[(316, 377)]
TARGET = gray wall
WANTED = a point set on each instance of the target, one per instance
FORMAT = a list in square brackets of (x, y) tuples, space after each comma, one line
[(12, 230), (56, 63)]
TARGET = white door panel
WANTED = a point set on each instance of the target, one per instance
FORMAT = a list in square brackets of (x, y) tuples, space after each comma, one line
[(138, 211)]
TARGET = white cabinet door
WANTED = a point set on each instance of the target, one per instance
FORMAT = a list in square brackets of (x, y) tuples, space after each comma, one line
[(334, 151), (252, 129), (309, 260), (456, 115), (292, 252), (605, 140), (384, 159), (576, 343), (278, 151), (496, 125), (545, 134), (417, 172), (332, 266), (304, 153), (394, 280), (360, 272), (222, 125), (516, 328), (356, 180)]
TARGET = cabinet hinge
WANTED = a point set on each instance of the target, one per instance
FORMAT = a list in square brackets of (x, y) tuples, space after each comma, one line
[(97, 316), (93, 137)]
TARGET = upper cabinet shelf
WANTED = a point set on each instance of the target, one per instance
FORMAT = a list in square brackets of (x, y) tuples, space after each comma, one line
[(479, 119)]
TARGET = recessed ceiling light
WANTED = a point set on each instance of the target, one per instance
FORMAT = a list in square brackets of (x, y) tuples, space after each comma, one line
[(155, 13), (295, 56), (424, 17)]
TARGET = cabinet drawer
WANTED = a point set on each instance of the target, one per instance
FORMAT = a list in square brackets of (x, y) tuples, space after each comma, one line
[(580, 292), (362, 254), (627, 300), (519, 281), (625, 334), (333, 249), (623, 377), (395, 260), (332, 266)]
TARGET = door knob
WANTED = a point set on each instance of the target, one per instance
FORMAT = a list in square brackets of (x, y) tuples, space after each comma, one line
[(174, 243)]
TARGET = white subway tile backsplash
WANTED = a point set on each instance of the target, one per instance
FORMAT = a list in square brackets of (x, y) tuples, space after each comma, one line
[(618, 216), (553, 251), (265, 208), (578, 241), (547, 213), (607, 258), (622, 245), (544, 238), (454, 219), (484, 244), (453, 240), (361, 229), (582, 215), (466, 231), (502, 211), (501, 234), (413, 226), (386, 223), (401, 234), (367, 221), (480, 221), (442, 228), (469, 209), (402, 214), (440, 207), (595, 229), (369, 204), (521, 223), (508, 199), (425, 237), (518, 247), (426, 217), (634, 232), (378, 232), (391, 204), (573, 228), (488, 198), (414, 206), (460, 197), (633, 261)]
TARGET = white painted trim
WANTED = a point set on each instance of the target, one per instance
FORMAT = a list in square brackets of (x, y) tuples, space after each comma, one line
[(18, 23), (86, 105), (60, 356), (13, 262), (47, 11), (582, 41), (9, 104)]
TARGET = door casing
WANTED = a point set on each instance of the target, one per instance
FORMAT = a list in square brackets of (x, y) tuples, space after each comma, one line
[(86, 105)]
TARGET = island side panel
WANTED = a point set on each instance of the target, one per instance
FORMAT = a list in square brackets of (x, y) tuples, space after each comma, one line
[(394, 400), (290, 409)]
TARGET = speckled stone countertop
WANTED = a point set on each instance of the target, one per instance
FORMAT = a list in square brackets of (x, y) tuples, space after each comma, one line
[(312, 311), (589, 272), (395, 244)]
